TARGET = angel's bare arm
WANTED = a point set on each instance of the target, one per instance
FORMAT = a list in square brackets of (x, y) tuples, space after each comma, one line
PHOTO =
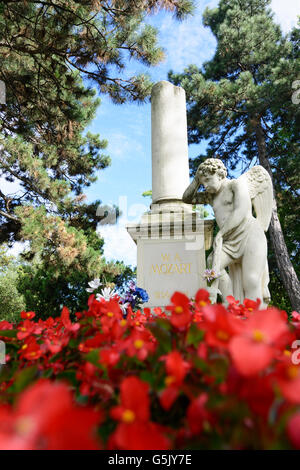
[(191, 195)]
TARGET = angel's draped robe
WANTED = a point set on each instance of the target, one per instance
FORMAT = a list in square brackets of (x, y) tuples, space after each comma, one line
[(234, 244)]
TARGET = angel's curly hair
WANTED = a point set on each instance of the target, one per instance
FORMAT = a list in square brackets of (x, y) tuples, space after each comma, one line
[(211, 166)]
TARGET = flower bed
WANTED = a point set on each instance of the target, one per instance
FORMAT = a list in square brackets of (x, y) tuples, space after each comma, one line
[(197, 376)]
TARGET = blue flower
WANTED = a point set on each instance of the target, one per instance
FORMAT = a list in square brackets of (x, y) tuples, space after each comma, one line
[(142, 294)]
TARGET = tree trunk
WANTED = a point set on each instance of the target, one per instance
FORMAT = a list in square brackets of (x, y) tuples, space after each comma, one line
[(286, 269)]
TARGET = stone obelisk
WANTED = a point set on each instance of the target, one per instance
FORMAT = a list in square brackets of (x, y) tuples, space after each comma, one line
[(171, 238), (170, 163)]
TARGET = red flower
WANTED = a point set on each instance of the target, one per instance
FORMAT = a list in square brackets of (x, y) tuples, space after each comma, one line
[(202, 298), (176, 369), (168, 397), (197, 414), (54, 345), (252, 305), (257, 392), (5, 325), (134, 401), (180, 310), (296, 316), (45, 418), (27, 315), (65, 319), (220, 326), (293, 430), (135, 432), (31, 350), (26, 329), (109, 356), (288, 378), (139, 436), (92, 343), (140, 344), (253, 350), (111, 318)]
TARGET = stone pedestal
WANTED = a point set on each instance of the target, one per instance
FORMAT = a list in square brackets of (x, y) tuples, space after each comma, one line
[(171, 254)]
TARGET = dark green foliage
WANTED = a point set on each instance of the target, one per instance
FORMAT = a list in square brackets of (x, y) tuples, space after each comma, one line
[(51, 54), (246, 85), (42, 289)]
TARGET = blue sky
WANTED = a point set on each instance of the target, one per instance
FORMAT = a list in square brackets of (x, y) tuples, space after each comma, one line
[(128, 127)]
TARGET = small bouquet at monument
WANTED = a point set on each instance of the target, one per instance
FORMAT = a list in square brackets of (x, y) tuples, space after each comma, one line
[(211, 275), (134, 296)]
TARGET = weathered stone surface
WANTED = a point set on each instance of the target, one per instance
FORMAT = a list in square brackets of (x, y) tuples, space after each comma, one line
[(171, 254), (170, 166), (241, 244)]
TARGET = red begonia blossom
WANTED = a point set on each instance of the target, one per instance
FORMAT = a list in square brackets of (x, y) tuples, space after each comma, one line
[(253, 349), (46, 418), (181, 315), (135, 430)]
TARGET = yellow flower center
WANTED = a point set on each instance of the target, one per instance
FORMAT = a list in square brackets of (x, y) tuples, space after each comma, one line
[(123, 322), (292, 372), (169, 380), (24, 346), (258, 336), (23, 329), (24, 425), (128, 416), (222, 335), (178, 309), (110, 314), (138, 344), (202, 303), (287, 352)]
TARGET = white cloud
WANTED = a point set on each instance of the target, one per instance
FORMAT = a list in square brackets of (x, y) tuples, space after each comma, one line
[(286, 13), (118, 245), (18, 248), (189, 42), (9, 188), (122, 147)]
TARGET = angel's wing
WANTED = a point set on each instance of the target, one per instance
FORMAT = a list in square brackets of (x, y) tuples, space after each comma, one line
[(261, 193)]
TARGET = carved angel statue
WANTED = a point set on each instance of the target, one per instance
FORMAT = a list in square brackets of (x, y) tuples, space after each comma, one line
[(240, 247)]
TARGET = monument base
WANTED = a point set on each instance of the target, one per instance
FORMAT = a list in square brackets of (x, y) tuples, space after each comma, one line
[(171, 254)]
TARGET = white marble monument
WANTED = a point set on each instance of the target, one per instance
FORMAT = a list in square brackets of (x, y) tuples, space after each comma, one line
[(240, 245), (171, 239)]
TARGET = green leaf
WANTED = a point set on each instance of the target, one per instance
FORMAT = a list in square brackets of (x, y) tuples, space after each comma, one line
[(69, 375), (8, 333), (47, 373), (164, 323), (200, 364), (73, 343), (93, 357), (147, 377), (162, 335), (194, 336), (24, 378)]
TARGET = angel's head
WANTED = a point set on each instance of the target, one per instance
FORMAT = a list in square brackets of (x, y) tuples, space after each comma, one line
[(211, 174)]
